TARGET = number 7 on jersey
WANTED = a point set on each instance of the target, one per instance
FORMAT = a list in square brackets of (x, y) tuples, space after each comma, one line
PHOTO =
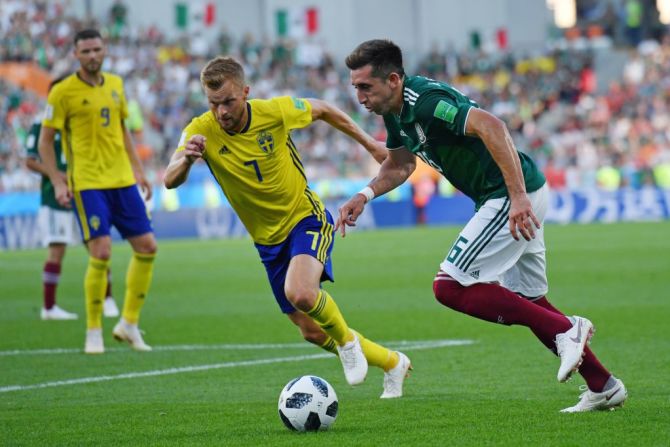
[(254, 163)]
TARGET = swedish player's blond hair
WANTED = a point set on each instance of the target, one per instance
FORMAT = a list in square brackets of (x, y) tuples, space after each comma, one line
[(219, 70)]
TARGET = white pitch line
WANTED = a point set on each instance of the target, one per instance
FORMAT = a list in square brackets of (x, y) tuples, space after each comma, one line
[(200, 347), (415, 346), (222, 347)]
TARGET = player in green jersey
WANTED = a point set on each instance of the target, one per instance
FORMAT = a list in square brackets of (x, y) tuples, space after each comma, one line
[(58, 228), (490, 272)]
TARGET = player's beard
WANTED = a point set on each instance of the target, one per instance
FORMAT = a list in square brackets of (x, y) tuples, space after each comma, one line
[(92, 68), (381, 107), (377, 110), (234, 123), (230, 125)]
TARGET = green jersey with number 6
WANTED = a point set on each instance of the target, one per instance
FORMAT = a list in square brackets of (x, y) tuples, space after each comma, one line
[(432, 126), (48, 196)]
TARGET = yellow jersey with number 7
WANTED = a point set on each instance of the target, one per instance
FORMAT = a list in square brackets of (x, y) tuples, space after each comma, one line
[(259, 168)]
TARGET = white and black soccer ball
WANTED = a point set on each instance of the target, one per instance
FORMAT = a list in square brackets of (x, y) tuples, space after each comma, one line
[(308, 403)]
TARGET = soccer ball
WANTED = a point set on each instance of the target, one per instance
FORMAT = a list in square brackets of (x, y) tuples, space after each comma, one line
[(308, 403)]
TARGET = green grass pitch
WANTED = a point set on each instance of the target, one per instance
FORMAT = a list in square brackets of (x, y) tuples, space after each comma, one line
[(209, 297)]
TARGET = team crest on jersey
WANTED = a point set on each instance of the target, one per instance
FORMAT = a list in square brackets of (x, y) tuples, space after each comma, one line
[(94, 222), (420, 133), (116, 97), (266, 142)]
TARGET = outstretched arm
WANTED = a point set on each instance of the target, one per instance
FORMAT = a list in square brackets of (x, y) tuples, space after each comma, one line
[(180, 164), (323, 110), (393, 172), (493, 132)]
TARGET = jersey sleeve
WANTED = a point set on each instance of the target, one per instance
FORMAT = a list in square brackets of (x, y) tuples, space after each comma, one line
[(54, 113), (393, 138), (193, 128), (296, 112), (438, 112), (31, 146)]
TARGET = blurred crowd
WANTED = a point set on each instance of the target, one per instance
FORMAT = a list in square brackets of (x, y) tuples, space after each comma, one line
[(581, 138)]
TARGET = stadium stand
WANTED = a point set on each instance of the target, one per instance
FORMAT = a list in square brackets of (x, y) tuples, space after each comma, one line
[(581, 133)]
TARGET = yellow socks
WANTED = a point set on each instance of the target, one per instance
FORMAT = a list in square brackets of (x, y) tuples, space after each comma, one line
[(138, 280), (330, 346), (95, 284), (377, 355), (326, 313)]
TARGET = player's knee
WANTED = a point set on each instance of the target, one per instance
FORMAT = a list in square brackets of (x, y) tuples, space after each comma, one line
[(100, 248), (448, 292), (147, 247), (151, 248), (302, 298), (102, 254), (144, 244)]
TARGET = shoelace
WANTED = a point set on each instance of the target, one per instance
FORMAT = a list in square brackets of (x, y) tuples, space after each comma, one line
[(348, 355), (389, 379)]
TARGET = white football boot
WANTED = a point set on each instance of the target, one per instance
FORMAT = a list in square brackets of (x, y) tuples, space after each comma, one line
[(570, 347), (109, 308), (56, 313), (608, 399), (353, 360), (394, 378), (130, 333), (94, 343)]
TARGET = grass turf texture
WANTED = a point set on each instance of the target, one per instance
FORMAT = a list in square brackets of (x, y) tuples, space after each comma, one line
[(502, 390)]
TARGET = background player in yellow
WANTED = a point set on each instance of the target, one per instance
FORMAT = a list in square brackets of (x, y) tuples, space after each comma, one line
[(103, 170), (248, 148), (58, 227)]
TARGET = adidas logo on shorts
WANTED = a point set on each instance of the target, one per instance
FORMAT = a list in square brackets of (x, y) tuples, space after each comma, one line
[(475, 274)]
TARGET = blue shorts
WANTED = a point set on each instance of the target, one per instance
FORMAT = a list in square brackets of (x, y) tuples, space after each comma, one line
[(312, 236), (98, 209)]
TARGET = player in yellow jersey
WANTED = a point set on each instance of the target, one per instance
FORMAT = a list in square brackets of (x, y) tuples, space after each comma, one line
[(248, 148), (103, 171)]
